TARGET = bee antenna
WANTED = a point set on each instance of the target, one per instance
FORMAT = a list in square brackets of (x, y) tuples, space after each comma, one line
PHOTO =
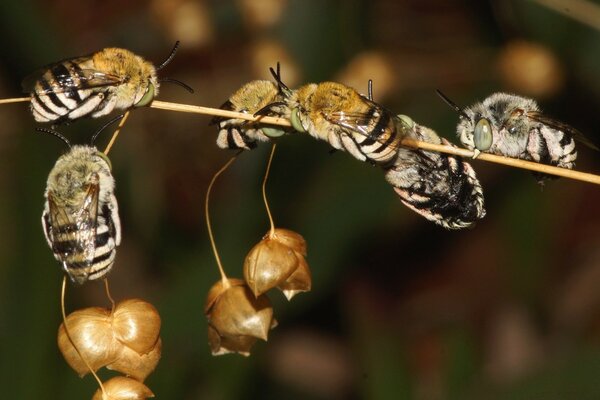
[(170, 58), (106, 125), (263, 111), (175, 81), (56, 134), (452, 104), (370, 89), (277, 76)]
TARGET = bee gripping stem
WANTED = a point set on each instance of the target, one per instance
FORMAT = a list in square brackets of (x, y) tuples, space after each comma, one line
[(512, 162)]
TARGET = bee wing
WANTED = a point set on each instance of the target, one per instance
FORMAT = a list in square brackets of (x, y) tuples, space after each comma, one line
[(75, 233), (551, 122), (361, 123), (66, 79)]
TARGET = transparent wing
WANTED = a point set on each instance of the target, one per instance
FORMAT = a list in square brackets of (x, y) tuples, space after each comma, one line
[(78, 227), (64, 77), (551, 122), (361, 123)]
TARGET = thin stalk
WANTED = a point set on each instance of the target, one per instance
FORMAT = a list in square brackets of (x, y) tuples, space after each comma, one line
[(264, 191)]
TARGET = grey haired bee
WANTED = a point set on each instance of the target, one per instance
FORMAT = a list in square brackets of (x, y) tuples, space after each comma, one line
[(94, 85), (440, 187), (513, 126), (81, 217), (259, 97)]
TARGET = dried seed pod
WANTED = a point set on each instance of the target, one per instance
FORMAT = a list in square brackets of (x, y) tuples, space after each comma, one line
[(278, 261), (136, 324), (299, 281), (137, 365), (122, 388), (91, 332), (236, 317)]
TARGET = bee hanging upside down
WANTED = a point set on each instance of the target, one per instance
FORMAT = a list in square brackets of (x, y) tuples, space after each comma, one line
[(81, 217), (94, 85), (513, 126), (258, 96), (442, 188)]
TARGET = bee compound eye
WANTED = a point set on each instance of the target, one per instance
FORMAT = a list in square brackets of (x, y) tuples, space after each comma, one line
[(273, 132), (482, 138), (147, 97), (295, 120)]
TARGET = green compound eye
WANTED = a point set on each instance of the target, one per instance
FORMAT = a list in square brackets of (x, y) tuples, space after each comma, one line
[(273, 132), (406, 120), (147, 98), (295, 120), (482, 138)]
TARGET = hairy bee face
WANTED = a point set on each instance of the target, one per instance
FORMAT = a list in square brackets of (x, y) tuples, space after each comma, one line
[(513, 126), (95, 85), (347, 120), (250, 98), (440, 187), (80, 218)]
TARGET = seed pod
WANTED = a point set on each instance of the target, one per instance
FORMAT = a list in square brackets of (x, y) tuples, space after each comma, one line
[(299, 281), (137, 365), (122, 388), (236, 317), (278, 261), (136, 324), (91, 332)]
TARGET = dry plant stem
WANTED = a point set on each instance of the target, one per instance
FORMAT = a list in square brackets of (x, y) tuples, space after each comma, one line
[(64, 317), (512, 162), (224, 278), (264, 191), (15, 100), (116, 133), (582, 11), (110, 298)]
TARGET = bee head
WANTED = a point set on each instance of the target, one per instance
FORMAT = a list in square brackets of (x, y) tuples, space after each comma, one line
[(154, 82)]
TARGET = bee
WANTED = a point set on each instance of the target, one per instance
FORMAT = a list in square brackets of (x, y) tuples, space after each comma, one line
[(252, 98), (513, 126), (442, 188), (347, 120), (94, 85), (81, 216)]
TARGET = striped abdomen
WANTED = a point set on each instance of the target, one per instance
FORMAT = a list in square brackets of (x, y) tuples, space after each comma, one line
[(63, 93)]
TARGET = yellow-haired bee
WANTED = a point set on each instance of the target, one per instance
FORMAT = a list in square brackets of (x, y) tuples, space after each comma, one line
[(81, 216), (259, 96), (443, 188), (347, 120), (94, 85), (513, 126)]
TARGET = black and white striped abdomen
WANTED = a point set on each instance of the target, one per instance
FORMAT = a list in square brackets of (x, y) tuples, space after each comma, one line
[(552, 146), (86, 249), (237, 134), (59, 95)]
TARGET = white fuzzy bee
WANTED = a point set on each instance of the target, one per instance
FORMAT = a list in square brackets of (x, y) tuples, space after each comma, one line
[(513, 126), (81, 216)]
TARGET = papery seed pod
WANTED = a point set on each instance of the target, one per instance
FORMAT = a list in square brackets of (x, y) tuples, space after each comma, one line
[(91, 331), (299, 281), (137, 365), (122, 388), (220, 345), (235, 314), (268, 264), (136, 324), (291, 239)]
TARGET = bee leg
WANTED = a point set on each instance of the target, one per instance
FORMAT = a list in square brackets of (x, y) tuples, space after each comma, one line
[(476, 153)]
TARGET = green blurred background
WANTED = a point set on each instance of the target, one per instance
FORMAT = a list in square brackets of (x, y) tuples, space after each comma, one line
[(400, 309)]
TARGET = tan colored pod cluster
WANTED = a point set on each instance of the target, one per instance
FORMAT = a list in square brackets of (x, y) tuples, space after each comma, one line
[(122, 388), (278, 260), (126, 340), (236, 318)]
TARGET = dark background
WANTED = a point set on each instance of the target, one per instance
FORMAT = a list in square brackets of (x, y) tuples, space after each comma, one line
[(400, 308)]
